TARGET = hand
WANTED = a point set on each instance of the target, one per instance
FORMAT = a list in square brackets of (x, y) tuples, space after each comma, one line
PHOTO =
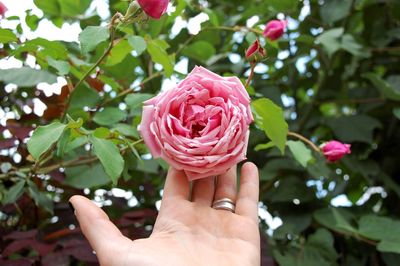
[(186, 232)]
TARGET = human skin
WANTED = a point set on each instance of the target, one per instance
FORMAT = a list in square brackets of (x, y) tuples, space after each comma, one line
[(186, 232)]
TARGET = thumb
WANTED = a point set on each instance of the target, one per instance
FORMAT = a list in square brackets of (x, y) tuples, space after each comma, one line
[(101, 233)]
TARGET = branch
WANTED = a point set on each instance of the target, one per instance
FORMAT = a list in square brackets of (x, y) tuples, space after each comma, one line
[(305, 140)]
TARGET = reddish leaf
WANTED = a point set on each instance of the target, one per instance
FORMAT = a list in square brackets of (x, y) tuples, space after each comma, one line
[(18, 130), (55, 259), (95, 83), (7, 144), (18, 262), (22, 235)]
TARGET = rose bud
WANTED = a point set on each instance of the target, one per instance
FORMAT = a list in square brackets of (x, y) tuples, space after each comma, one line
[(275, 29), (154, 8), (3, 9), (201, 126), (256, 52), (334, 150)]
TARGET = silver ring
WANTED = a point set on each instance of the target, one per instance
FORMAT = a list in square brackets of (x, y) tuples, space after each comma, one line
[(224, 204)]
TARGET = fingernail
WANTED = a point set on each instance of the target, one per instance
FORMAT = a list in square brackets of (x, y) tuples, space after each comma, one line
[(72, 207)]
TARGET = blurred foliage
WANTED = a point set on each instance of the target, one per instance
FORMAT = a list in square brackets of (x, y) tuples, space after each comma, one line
[(334, 75)]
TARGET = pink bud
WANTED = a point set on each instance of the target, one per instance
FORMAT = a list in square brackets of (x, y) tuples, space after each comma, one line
[(154, 8), (334, 150), (255, 52), (275, 29), (3, 9)]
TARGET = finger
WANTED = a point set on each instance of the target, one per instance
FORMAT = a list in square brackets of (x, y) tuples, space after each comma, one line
[(176, 185), (226, 185), (203, 191), (101, 233), (247, 202)]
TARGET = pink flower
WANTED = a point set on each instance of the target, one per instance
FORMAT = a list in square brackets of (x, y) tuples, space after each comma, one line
[(154, 8), (255, 52), (275, 29), (3, 9), (334, 150), (201, 126)]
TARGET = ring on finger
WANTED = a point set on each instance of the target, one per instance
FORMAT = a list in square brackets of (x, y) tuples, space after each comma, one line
[(224, 204)]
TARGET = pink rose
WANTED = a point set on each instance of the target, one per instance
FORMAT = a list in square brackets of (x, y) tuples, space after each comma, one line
[(275, 29), (154, 8), (3, 9), (201, 126), (255, 52), (335, 150)]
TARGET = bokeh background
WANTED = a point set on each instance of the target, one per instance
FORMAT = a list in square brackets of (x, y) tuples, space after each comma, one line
[(335, 74)]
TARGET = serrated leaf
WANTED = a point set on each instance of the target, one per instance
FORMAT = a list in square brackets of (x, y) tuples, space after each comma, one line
[(135, 100), (92, 36), (269, 117), (63, 142), (118, 53), (301, 153), (109, 156), (200, 50), (62, 66), (43, 137), (138, 44), (26, 76), (159, 55), (14, 192), (86, 176), (109, 116)]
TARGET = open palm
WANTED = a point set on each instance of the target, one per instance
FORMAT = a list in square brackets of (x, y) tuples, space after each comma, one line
[(187, 232)]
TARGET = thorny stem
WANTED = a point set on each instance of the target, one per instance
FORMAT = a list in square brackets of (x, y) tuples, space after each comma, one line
[(114, 21), (305, 140)]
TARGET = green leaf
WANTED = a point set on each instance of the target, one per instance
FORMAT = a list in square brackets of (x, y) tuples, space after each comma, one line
[(354, 128), (138, 44), (269, 117), (376, 227), (159, 55), (300, 152), (126, 130), (86, 176), (62, 144), (49, 7), (212, 16), (31, 20), (7, 36), (62, 66), (339, 219), (91, 36), (135, 100), (109, 116), (26, 76), (40, 198), (290, 188), (72, 8), (264, 146), (43, 137), (386, 88), (84, 96), (334, 10), (392, 245), (283, 5), (330, 39), (13, 194), (54, 49), (396, 112), (118, 53), (200, 50), (101, 132), (109, 156)]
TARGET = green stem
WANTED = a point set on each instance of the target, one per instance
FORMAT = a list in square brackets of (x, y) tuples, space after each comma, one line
[(305, 140)]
